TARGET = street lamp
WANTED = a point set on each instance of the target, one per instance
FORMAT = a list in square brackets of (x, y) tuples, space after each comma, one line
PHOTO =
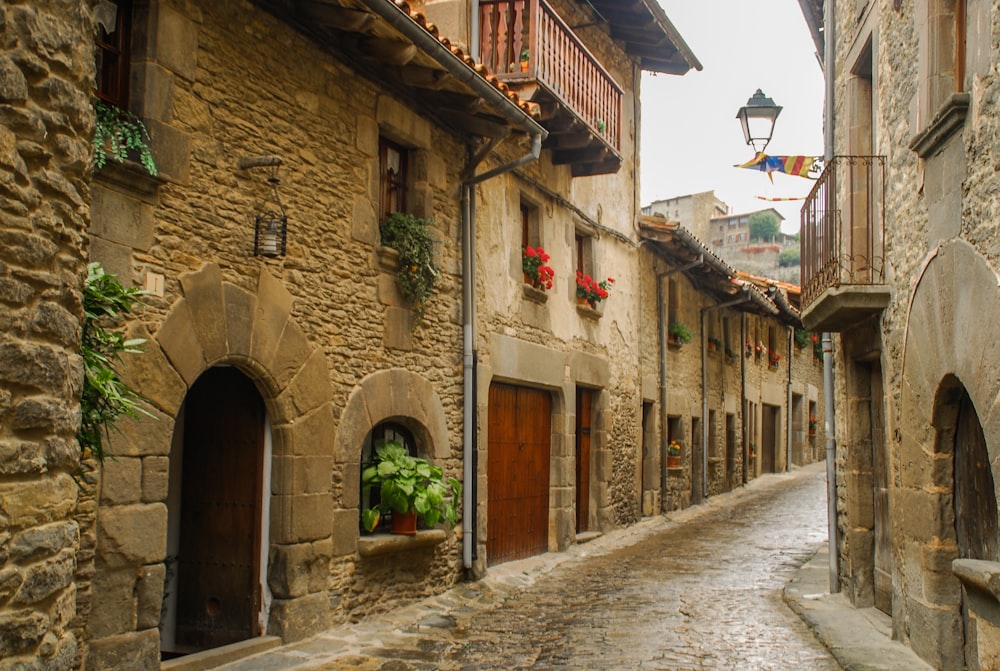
[(758, 117)]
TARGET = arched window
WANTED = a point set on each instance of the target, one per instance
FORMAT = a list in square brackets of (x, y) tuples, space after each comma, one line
[(383, 432)]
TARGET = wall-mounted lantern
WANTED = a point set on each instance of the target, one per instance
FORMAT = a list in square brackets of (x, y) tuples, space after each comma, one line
[(270, 229)]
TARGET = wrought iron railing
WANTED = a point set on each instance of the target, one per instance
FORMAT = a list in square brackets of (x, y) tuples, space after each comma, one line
[(843, 226), (510, 30)]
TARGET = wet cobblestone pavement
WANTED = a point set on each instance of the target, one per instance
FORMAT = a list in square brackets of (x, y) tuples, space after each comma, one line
[(700, 591)]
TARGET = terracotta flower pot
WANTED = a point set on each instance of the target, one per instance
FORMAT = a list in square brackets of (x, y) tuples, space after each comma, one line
[(404, 524), (673, 461)]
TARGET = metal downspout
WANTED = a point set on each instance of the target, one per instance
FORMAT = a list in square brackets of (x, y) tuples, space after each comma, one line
[(743, 398), (663, 327), (829, 71), (704, 384), (470, 433), (788, 401)]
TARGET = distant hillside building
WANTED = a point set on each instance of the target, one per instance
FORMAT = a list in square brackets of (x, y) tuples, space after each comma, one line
[(728, 235)]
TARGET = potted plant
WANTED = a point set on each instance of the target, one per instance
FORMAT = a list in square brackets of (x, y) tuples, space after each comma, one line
[(409, 488), (536, 272), (812, 425), (119, 134), (590, 291), (525, 59), (679, 333), (773, 359), (714, 344), (411, 237), (674, 454), (801, 338)]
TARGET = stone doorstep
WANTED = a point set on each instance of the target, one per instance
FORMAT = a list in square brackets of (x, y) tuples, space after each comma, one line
[(210, 659)]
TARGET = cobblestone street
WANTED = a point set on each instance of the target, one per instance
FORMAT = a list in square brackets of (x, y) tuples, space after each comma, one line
[(701, 590)]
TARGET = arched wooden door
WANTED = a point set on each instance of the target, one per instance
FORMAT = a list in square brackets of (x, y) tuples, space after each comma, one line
[(520, 433), (218, 563)]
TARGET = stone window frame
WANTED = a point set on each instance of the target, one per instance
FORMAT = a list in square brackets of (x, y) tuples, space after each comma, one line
[(530, 224), (942, 100)]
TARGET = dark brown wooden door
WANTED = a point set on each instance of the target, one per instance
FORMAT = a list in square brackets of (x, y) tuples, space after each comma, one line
[(218, 564), (880, 477), (520, 428), (584, 404), (768, 438)]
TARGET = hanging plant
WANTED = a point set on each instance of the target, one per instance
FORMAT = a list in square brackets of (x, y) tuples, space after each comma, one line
[(119, 134), (411, 237), (105, 397), (679, 332)]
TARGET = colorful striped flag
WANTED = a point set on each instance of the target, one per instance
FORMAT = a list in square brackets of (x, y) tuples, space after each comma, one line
[(799, 166)]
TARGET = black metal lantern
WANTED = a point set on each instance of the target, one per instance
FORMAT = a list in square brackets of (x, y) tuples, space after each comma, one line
[(757, 118), (271, 226)]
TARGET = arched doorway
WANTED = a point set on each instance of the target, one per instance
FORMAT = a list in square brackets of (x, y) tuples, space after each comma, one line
[(216, 515), (976, 527)]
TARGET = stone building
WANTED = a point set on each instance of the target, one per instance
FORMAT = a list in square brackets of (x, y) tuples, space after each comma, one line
[(906, 277), (737, 397), (271, 372)]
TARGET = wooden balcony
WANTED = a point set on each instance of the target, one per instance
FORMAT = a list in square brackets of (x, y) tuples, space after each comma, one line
[(843, 245), (535, 53)]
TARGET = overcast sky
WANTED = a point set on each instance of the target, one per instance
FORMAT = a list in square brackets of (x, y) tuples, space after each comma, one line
[(690, 135)]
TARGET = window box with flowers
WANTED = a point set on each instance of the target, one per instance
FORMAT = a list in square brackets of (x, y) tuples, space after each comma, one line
[(678, 334), (714, 345), (590, 292), (538, 276), (813, 423), (674, 455), (731, 356), (773, 359)]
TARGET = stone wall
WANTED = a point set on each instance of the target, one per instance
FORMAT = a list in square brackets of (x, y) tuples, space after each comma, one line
[(45, 122), (942, 260)]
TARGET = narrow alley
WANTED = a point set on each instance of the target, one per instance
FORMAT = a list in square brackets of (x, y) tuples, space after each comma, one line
[(700, 591)]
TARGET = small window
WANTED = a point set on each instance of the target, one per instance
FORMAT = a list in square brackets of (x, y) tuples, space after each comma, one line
[(582, 249), (381, 433), (393, 174), (114, 41)]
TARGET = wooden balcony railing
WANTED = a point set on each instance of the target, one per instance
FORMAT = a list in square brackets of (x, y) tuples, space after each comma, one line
[(843, 227), (534, 51)]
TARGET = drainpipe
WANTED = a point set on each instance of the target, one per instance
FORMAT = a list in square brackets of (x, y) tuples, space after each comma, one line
[(704, 384), (790, 424), (743, 398), (661, 305), (829, 70), (470, 434)]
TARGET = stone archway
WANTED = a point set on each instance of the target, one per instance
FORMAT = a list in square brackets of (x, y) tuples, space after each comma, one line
[(214, 323), (945, 350)]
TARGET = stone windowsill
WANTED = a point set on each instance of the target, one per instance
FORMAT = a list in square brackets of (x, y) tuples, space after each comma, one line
[(983, 576), (131, 176), (585, 310), (674, 343), (948, 120), (536, 295), (386, 544)]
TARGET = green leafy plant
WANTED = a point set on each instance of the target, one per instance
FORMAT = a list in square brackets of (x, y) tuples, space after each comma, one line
[(674, 449), (680, 332), (714, 343), (119, 133), (409, 484), (105, 397), (801, 338), (525, 55), (411, 237)]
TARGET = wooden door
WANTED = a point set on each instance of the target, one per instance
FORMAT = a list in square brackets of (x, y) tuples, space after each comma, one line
[(584, 404), (218, 564), (520, 427), (976, 526), (880, 478), (768, 438)]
